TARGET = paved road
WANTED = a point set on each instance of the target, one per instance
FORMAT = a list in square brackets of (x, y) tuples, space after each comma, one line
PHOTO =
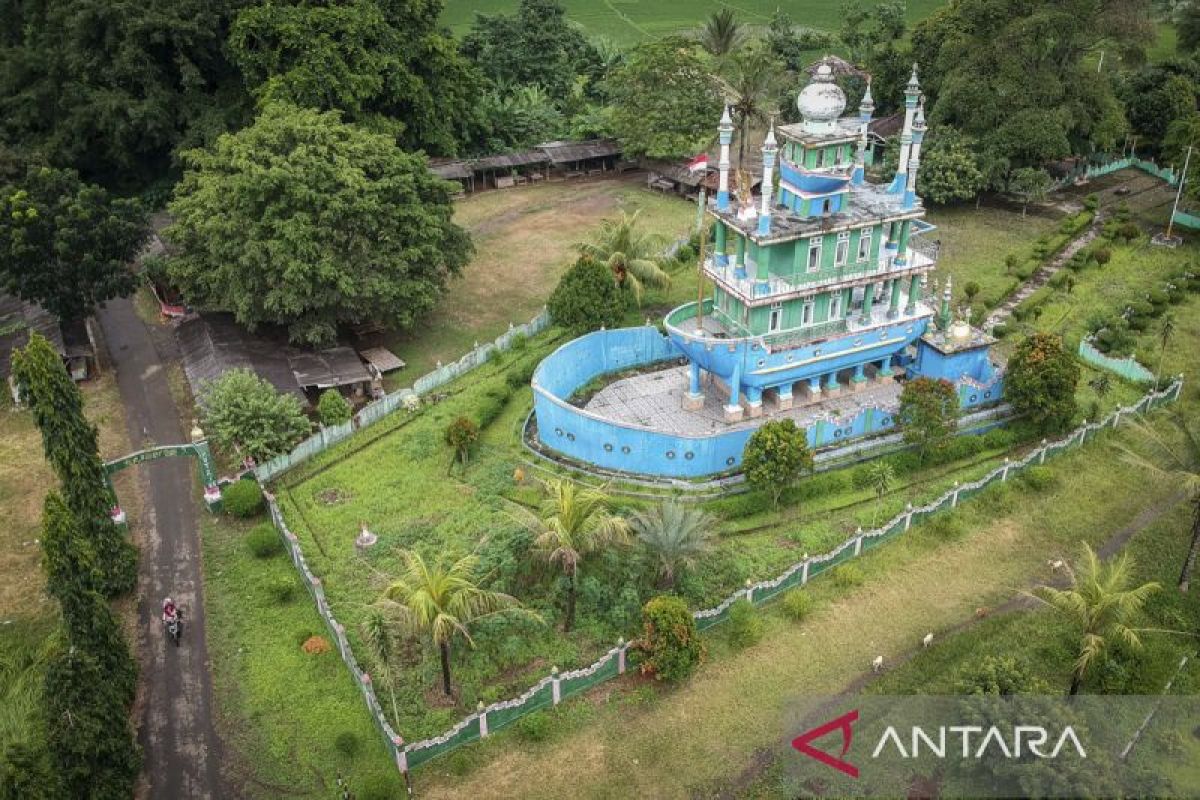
[(175, 729)]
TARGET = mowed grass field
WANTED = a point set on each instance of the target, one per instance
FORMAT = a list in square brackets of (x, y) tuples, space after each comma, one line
[(524, 240), (626, 22)]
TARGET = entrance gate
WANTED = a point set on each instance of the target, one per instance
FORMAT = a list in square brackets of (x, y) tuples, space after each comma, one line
[(198, 449)]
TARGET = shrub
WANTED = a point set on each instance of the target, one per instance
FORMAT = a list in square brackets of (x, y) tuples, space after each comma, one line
[(243, 499), (685, 254), (1059, 280), (669, 638), (1041, 380), (847, 576), (534, 727), (461, 435), (944, 526), (1102, 255), (1000, 331), (520, 376), (518, 343), (999, 675), (244, 413), (263, 541), (492, 405), (797, 604), (1128, 231), (333, 409), (745, 624), (587, 298), (1091, 202), (775, 455), (282, 591), (347, 744), (1038, 478)]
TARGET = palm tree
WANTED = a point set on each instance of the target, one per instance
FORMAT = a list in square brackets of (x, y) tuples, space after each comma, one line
[(378, 639), (1165, 331), (676, 535), (1101, 385), (573, 523), (1101, 603), (721, 34), (751, 85), (630, 252), (879, 477), (441, 601), (1178, 464)]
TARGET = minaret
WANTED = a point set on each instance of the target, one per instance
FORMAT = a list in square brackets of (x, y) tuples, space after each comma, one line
[(725, 129), (865, 111), (944, 316), (912, 93), (769, 149), (914, 158)]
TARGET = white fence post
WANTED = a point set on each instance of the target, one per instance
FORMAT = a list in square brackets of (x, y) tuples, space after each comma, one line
[(954, 497), (1004, 474), (1178, 385), (621, 656), (749, 590), (1042, 455), (555, 688), (858, 541), (804, 573), (908, 516), (483, 729)]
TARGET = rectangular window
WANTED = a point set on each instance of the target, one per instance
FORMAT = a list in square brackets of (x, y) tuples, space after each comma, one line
[(806, 313), (773, 323), (843, 250), (814, 254), (745, 315), (835, 306), (864, 244), (821, 158)]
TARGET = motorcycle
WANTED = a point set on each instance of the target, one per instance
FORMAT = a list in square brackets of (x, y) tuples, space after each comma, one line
[(175, 626)]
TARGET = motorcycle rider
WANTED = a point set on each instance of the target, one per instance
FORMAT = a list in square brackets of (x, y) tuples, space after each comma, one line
[(169, 611)]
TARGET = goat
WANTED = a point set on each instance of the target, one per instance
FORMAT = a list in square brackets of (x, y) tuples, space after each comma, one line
[(1057, 565), (877, 664), (982, 612), (928, 640)]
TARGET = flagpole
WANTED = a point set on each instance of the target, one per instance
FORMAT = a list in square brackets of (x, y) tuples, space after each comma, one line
[(701, 200), (1179, 193)]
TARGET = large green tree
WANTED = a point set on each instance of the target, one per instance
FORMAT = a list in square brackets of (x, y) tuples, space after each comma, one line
[(775, 456), (246, 415), (1041, 379), (70, 445), (950, 169), (928, 414), (665, 102), (306, 221), (630, 252), (65, 244), (587, 298), (111, 88), (385, 63)]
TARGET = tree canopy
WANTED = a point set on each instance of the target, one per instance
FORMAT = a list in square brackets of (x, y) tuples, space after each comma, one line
[(775, 456), (244, 414), (928, 414), (66, 245), (1041, 380), (587, 298), (305, 221), (665, 102)]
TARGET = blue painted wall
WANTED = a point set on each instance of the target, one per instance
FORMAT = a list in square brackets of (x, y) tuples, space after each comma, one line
[(978, 382)]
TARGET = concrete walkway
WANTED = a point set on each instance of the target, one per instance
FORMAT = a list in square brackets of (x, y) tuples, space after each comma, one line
[(175, 726)]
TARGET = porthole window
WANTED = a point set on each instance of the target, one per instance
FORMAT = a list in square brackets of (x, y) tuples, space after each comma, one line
[(625, 449), (885, 421), (817, 352), (883, 334), (608, 448), (849, 431), (689, 455), (909, 329), (729, 462), (670, 454), (987, 395), (857, 342), (558, 431), (974, 397), (570, 437), (762, 362)]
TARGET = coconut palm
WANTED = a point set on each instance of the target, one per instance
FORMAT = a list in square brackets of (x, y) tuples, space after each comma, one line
[(441, 601), (630, 253), (1102, 603), (1101, 385), (721, 34), (879, 477), (750, 83), (378, 639), (676, 536), (573, 523), (1175, 463)]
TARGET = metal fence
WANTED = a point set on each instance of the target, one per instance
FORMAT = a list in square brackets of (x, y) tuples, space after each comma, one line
[(407, 397), (555, 687), (1127, 367)]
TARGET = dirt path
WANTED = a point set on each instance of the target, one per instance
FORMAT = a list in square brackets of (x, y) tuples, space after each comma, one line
[(175, 724), (1044, 274)]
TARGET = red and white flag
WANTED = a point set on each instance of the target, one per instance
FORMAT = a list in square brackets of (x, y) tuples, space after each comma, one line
[(699, 163)]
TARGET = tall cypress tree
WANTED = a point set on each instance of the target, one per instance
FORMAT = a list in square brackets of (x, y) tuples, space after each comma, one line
[(70, 443)]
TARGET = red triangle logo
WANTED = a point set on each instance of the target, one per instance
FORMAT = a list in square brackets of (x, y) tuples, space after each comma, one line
[(843, 723)]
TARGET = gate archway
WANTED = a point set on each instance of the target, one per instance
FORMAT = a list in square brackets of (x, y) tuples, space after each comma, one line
[(197, 449)]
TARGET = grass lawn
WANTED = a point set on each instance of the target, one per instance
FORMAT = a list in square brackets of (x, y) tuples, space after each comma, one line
[(626, 22), (524, 239), (976, 241)]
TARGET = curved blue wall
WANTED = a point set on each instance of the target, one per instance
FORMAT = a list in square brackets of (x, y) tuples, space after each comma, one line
[(588, 437)]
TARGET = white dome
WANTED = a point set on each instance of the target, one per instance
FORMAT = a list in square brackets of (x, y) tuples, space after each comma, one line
[(821, 102)]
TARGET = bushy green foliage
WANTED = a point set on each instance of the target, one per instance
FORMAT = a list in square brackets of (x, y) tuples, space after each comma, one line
[(744, 625), (1041, 380), (67, 245), (282, 591), (245, 414), (492, 405), (25, 774), (999, 675), (928, 414), (1038, 478), (243, 499), (333, 408), (534, 727), (669, 638), (586, 298), (263, 541), (775, 456), (847, 576), (461, 435), (797, 604), (348, 744), (252, 222)]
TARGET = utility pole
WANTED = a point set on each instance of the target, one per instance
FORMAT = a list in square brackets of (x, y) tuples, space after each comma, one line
[(700, 226)]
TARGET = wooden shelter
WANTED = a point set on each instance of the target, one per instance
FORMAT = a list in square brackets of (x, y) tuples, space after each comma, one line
[(19, 319)]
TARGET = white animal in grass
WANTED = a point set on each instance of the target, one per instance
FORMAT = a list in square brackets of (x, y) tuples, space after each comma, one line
[(877, 664), (928, 640)]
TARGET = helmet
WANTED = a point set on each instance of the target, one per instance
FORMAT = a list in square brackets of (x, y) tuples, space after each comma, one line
[(168, 602)]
